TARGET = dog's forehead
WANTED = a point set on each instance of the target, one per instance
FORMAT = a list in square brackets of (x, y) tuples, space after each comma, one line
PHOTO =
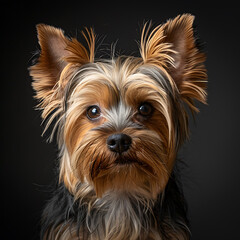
[(117, 83)]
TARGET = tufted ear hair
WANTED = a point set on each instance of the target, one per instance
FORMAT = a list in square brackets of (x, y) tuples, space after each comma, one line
[(59, 56), (173, 48)]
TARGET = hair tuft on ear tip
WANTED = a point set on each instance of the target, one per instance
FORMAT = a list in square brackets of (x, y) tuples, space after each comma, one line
[(173, 48), (58, 58)]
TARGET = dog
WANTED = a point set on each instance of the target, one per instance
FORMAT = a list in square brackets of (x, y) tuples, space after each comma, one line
[(119, 124)]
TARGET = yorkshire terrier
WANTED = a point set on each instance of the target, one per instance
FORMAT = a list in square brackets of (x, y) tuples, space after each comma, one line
[(120, 123)]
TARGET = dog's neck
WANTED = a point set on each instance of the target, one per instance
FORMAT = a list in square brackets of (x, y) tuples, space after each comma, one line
[(119, 215), (116, 215)]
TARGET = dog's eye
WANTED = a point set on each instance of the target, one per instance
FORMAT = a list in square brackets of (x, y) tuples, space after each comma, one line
[(93, 112), (145, 109)]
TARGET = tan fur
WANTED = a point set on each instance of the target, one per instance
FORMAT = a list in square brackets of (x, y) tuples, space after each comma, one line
[(172, 47), (57, 62), (84, 145), (67, 80)]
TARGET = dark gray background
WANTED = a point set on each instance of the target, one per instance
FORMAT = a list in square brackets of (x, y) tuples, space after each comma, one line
[(212, 176)]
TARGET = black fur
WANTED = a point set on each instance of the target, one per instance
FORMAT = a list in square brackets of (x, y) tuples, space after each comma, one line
[(61, 208), (171, 212)]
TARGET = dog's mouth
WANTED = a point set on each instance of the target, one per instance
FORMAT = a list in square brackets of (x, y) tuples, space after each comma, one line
[(126, 160), (121, 160)]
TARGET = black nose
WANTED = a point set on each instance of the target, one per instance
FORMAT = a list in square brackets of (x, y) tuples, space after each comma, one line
[(119, 142)]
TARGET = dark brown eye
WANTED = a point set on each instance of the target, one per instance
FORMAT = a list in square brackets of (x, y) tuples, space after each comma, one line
[(93, 112), (145, 109)]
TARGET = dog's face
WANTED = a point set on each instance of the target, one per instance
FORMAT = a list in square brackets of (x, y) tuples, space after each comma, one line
[(120, 121), (119, 126)]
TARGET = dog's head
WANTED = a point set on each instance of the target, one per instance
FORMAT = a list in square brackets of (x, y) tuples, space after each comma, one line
[(120, 121)]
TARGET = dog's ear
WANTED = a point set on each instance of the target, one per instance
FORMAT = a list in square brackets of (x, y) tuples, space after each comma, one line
[(173, 48), (59, 56)]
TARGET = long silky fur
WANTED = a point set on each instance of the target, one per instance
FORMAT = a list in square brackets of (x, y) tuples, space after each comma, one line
[(86, 218), (97, 198)]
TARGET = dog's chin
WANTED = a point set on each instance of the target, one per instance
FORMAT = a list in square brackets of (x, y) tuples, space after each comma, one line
[(128, 175)]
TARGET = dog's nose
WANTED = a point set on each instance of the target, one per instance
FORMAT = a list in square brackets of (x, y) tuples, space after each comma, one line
[(119, 142)]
